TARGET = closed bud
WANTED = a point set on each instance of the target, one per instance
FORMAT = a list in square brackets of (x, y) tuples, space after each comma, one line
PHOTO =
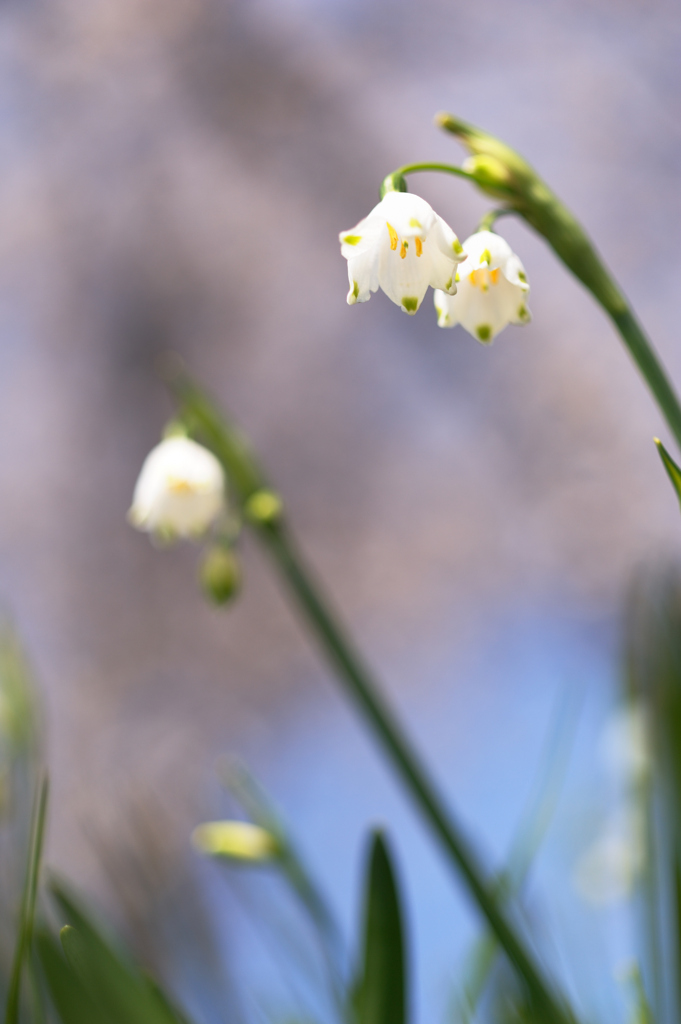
[(236, 840), (263, 507), (220, 575), (490, 174)]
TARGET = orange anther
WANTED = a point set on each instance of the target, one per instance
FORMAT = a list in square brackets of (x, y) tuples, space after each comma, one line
[(393, 236), (419, 246), (403, 250)]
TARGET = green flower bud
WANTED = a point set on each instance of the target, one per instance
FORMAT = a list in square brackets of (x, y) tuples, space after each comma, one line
[(236, 840), (220, 575), (490, 174), (263, 507)]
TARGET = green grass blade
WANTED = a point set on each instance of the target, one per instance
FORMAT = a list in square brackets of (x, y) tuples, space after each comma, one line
[(382, 989), (24, 938), (112, 984), (673, 471), (69, 997), (526, 843)]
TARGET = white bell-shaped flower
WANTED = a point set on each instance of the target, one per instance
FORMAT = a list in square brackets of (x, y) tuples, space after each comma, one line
[(403, 246), (492, 289), (180, 491)]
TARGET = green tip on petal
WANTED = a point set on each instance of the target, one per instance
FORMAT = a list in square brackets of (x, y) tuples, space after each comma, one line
[(457, 246), (486, 257), (410, 305), (483, 332), (522, 276), (355, 290), (414, 223), (673, 471), (352, 239), (523, 314)]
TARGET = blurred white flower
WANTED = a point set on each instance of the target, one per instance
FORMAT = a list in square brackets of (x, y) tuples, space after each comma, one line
[(180, 490), (402, 247), (625, 744), (607, 872), (492, 290)]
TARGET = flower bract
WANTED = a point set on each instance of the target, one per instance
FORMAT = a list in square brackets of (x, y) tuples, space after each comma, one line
[(403, 246), (180, 491), (492, 289)]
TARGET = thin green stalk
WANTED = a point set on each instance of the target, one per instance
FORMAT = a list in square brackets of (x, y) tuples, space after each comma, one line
[(231, 448), (25, 935), (395, 182), (504, 174)]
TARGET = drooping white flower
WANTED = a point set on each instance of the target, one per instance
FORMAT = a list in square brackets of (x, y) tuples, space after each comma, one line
[(492, 289), (609, 868), (180, 490), (403, 246)]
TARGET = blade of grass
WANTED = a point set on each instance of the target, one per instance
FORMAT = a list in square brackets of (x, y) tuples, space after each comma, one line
[(69, 997), (526, 843), (25, 933), (115, 986), (381, 993)]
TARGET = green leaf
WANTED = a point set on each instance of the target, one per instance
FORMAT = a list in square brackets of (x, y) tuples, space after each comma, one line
[(673, 471), (25, 933), (69, 996), (113, 985), (381, 993)]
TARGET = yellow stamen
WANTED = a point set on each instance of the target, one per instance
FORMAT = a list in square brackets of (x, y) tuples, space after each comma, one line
[(494, 275), (403, 250), (419, 246), (179, 486), (393, 236)]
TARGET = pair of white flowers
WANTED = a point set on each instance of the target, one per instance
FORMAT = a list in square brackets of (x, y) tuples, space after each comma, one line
[(403, 247)]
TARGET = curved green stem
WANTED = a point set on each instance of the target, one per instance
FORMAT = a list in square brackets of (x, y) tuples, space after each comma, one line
[(501, 172), (489, 220), (444, 168), (395, 182), (230, 447)]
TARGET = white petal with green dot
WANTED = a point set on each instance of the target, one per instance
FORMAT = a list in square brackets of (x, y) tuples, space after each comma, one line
[(402, 247), (492, 289)]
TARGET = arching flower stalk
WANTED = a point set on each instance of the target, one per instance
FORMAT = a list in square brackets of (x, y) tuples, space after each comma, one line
[(492, 289), (402, 247)]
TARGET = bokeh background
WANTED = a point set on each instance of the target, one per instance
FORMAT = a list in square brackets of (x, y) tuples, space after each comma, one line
[(174, 176)]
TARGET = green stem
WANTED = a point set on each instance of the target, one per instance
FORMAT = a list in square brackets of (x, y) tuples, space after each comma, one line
[(650, 366), (489, 220), (395, 182), (247, 478), (499, 171), (444, 168)]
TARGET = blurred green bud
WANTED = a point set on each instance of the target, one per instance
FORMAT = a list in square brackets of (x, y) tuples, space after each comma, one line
[(263, 507), (490, 174), (220, 575), (236, 840), (393, 183)]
